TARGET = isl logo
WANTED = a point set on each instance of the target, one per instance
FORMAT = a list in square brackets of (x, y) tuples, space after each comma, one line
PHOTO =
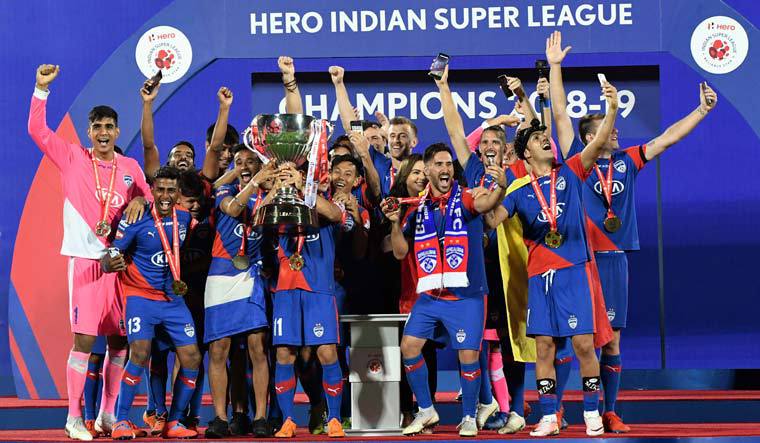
[(375, 366), (166, 49), (719, 44)]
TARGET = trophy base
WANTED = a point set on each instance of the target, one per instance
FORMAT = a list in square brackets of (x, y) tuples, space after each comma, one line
[(287, 218)]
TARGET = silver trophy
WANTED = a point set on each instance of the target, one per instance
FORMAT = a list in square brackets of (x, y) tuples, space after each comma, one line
[(285, 138)]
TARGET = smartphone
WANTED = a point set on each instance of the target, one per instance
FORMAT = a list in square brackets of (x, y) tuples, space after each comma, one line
[(542, 67), (156, 79), (504, 85), (602, 79), (704, 90), (439, 64), (357, 126)]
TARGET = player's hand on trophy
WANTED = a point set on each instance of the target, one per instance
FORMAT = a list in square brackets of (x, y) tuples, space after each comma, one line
[(224, 95), (707, 97), (554, 52), (336, 74), (149, 91), (287, 68), (135, 209), (45, 75), (265, 177), (114, 263)]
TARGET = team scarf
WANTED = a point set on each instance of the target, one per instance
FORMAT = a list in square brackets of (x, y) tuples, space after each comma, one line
[(318, 162), (433, 272)]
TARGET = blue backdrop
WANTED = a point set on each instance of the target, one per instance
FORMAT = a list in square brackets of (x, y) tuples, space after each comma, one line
[(707, 217)]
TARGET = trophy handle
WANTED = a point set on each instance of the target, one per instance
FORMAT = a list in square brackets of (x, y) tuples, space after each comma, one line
[(248, 134)]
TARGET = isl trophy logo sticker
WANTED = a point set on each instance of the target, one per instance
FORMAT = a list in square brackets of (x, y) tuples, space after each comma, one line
[(165, 48), (719, 44)]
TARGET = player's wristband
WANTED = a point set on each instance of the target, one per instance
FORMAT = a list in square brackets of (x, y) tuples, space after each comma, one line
[(41, 94)]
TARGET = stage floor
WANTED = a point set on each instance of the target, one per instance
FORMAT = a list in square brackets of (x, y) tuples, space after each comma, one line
[(723, 432)]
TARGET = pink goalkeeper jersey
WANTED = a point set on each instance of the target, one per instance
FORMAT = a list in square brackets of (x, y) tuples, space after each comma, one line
[(81, 206)]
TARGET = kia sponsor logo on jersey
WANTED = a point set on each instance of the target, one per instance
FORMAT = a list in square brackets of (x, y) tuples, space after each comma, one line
[(312, 237), (117, 200), (617, 187), (159, 259), (559, 210), (252, 236)]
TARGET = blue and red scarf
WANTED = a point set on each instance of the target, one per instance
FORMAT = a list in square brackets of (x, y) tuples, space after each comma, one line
[(433, 272)]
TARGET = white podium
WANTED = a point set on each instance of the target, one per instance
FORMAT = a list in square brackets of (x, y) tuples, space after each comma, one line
[(375, 372)]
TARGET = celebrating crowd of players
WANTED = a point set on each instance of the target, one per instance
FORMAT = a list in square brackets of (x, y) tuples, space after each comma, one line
[(507, 251)]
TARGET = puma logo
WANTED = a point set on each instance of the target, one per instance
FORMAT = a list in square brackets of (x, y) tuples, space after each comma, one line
[(131, 381), (334, 391), (471, 375), (408, 367), (280, 389), (151, 234)]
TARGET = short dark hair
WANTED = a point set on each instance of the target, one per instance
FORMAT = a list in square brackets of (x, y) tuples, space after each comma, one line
[(404, 121), (523, 135), (435, 148), (190, 184), (241, 147), (342, 140), (366, 124), (585, 125), (118, 150), (101, 112), (183, 143), (230, 138), (338, 159), (168, 172)]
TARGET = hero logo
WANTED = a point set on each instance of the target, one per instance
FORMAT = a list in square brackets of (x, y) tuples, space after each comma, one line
[(427, 259), (239, 233), (620, 166), (719, 44), (375, 366), (117, 200), (617, 187), (318, 330), (560, 208), (164, 48), (455, 256)]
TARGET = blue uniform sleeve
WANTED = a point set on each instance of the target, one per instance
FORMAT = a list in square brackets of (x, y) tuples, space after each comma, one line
[(382, 166), (473, 171), (510, 203), (575, 148), (224, 191), (125, 235)]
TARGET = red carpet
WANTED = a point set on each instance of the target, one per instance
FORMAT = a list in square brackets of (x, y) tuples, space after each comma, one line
[(447, 397), (449, 433)]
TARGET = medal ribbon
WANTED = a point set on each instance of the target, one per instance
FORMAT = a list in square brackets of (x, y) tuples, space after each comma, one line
[(549, 212), (606, 187), (105, 203), (392, 176), (247, 227), (299, 245), (171, 257)]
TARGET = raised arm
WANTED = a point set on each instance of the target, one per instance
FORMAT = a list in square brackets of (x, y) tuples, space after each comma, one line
[(293, 103), (554, 55), (680, 129), (341, 95), (151, 157), (216, 145), (452, 119), (361, 144), (398, 241), (50, 143), (594, 148), (485, 201)]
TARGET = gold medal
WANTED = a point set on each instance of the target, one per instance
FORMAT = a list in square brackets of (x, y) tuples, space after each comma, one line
[(102, 229), (296, 262), (241, 262), (553, 239), (612, 223), (179, 287)]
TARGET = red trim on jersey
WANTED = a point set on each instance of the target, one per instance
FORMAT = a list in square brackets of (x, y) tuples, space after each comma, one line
[(541, 258), (597, 238), (288, 278), (635, 153), (218, 250), (135, 285), (576, 165)]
